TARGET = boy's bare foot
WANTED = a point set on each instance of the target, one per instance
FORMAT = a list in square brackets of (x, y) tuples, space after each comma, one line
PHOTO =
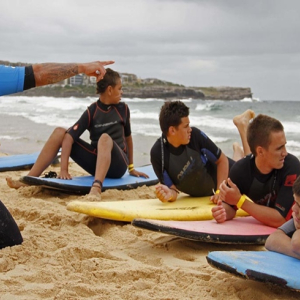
[(92, 197), (14, 184), (95, 191), (238, 152), (244, 118)]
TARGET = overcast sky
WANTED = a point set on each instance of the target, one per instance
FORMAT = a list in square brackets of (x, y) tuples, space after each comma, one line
[(244, 43)]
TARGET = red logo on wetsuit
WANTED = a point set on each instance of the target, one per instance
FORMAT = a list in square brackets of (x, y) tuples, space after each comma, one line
[(75, 127), (289, 181)]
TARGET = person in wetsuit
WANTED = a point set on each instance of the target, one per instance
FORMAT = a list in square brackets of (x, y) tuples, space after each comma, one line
[(110, 152), (286, 239), (184, 158), (261, 183), (18, 79)]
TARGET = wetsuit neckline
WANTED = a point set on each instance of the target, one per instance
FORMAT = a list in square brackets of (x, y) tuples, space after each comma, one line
[(103, 106)]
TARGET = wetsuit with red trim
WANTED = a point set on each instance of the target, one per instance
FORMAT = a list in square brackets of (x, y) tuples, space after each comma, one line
[(273, 189), (99, 118), (191, 168)]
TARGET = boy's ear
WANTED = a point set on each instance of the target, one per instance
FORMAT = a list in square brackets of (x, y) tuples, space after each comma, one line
[(259, 150), (171, 130)]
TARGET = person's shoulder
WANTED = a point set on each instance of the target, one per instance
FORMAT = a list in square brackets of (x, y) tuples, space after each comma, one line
[(245, 161), (292, 158), (156, 148), (122, 105), (198, 133), (93, 104)]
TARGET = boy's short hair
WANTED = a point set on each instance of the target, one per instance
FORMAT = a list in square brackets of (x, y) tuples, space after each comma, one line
[(296, 186), (110, 78), (259, 131), (170, 115)]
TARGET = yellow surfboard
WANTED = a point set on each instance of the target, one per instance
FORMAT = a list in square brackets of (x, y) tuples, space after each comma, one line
[(185, 208)]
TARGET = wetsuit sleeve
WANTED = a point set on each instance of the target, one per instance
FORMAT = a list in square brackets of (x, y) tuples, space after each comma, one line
[(288, 228), (11, 79), (155, 157), (156, 161), (29, 80), (285, 199), (80, 126), (127, 128)]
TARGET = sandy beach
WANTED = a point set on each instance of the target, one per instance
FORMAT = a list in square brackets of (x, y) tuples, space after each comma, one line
[(66, 255)]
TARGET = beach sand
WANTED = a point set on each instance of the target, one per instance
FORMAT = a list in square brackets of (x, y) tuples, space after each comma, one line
[(66, 255)]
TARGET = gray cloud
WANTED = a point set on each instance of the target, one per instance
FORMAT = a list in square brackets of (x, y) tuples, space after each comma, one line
[(232, 42)]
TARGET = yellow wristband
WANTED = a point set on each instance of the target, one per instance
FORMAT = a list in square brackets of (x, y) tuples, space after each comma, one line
[(131, 166), (242, 200), (217, 192)]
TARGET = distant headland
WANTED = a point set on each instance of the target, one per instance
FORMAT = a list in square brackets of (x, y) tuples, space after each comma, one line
[(134, 87)]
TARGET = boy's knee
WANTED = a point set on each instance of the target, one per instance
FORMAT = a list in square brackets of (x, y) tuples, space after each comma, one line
[(105, 139), (59, 131)]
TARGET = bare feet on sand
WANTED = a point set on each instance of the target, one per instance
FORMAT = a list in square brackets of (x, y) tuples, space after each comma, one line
[(243, 119), (14, 184)]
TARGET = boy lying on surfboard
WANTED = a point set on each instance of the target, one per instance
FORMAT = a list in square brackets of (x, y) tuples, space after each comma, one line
[(185, 159), (261, 183)]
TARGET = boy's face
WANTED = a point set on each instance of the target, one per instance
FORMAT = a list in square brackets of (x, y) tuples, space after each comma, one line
[(116, 93), (182, 134), (275, 154), (296, 211)]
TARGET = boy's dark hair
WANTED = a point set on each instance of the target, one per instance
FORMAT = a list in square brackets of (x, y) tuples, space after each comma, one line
[(110, 78), (296, 186), (170, 115), (259, 131)]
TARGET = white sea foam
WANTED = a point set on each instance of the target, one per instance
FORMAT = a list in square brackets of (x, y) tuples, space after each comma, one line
[(212, 122), (8, 137), (214, 117), (137, 114)]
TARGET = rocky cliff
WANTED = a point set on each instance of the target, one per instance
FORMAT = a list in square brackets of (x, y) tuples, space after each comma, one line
[(134, 87), (212, 93)]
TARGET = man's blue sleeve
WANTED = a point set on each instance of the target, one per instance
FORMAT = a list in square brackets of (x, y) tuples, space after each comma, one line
[(11, 79)]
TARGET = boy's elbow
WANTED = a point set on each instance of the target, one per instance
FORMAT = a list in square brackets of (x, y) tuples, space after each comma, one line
[(272, 239), (296, 246)]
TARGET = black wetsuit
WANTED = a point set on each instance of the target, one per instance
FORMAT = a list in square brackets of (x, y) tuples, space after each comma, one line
[(100, 118), (9, 232), (273, 189), (191, 168)]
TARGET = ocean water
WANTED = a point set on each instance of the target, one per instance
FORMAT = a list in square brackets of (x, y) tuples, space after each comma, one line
[(27, 122)]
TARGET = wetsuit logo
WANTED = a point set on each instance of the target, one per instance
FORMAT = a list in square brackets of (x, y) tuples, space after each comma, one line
[(290, 179), (180, 175)]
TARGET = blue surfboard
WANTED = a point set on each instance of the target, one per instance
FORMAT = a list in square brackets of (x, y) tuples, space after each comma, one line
[(20, 161), (82, 184), (17, 162), (264, 266)]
